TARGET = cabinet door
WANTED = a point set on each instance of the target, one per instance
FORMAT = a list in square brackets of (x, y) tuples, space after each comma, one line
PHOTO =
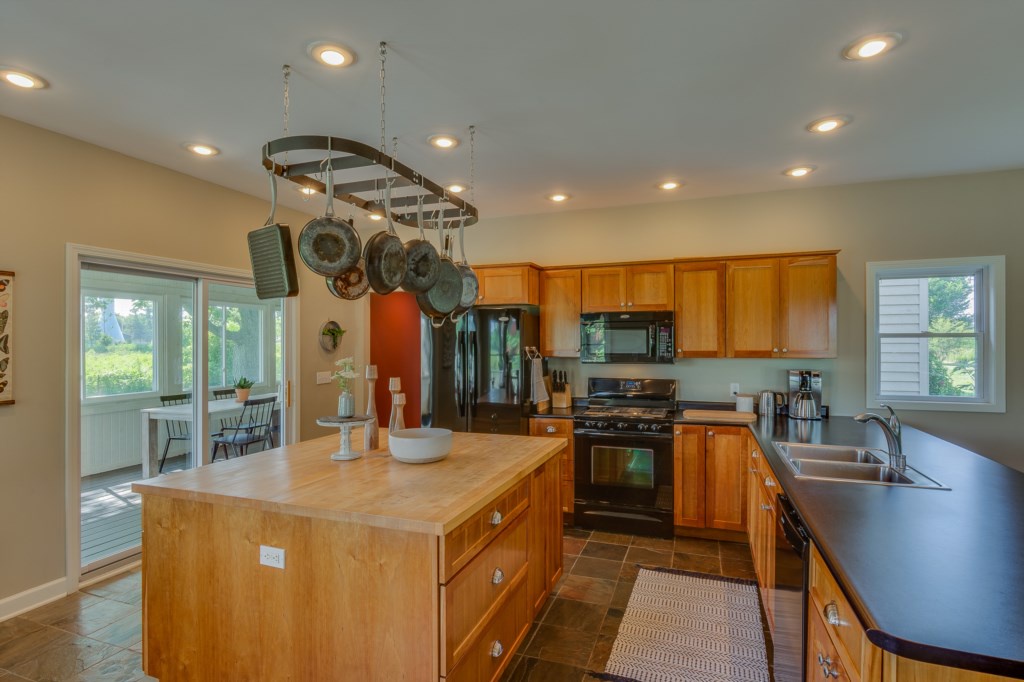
[(807, 322), (649, 287), (752, 501), (604, 289), (700, 310), (752, 308), (515, 284), (766, 546), (560, 302), (544, 564), (688, 450), (726, 481), (560, 428)]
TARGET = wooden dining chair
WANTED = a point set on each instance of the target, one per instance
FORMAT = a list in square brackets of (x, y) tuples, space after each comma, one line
[(222, 393), (176, 430), (253, 426)]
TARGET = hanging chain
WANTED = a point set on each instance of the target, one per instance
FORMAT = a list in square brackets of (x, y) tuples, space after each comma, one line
[(287, 70), (472, 164), (383, 59)]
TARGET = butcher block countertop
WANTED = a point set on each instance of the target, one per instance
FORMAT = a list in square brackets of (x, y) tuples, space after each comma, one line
[(376, 490)]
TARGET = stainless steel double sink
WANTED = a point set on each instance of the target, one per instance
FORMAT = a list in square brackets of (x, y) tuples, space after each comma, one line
[(851, 465)]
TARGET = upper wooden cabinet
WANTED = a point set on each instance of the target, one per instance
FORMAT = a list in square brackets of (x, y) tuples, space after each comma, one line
[(560, 313), (781, 307), (700, 309), (508, 285), (628, 287)]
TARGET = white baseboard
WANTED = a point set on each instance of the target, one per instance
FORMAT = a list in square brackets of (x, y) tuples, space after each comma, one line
[(19, 603)]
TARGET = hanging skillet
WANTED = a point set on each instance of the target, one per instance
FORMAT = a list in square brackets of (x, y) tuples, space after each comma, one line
[(446, 293), (470, 283), (386, 263), (328, 245), (424, 263), (351, 284)]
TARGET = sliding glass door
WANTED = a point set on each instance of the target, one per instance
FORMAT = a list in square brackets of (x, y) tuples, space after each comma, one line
[(138, 399)]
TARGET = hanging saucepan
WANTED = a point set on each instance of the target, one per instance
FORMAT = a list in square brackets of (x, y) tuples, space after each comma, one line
[(424, 263), (328, 245), (438, 301), (384, 253), (351, 284), (470, 283)]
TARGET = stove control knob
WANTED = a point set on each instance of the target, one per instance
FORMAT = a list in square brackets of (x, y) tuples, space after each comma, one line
[(622, 426), (655, 428), (643, 427)]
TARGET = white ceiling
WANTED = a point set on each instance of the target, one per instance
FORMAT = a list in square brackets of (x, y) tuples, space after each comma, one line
[(598, 98)]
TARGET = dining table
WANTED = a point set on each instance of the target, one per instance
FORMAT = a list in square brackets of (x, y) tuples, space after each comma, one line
[(152, 416)]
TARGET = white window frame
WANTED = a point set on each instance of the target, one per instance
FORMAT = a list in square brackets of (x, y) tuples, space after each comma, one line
[(990, 320)]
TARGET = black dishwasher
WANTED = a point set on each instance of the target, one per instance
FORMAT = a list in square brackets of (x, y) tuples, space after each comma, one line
[(790, 599)]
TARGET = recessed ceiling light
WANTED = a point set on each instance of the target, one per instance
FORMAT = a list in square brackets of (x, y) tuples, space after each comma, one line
[(331, 54), (202, 149), (668, 185), (443, 141), (307, 191), (799, 171), (376, 216), (22, 79), (828, 123), (559, 198), (873, 45), (456, 188)]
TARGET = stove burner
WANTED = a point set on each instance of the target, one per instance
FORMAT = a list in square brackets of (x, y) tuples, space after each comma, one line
[(626, 412)]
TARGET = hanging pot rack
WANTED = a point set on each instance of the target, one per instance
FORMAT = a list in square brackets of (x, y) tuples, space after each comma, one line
[(360, 160)]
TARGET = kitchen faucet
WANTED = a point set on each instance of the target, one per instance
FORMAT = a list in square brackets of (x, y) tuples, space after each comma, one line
[(893, 430)]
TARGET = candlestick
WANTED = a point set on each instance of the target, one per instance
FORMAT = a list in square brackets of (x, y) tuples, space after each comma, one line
[(371, 431)]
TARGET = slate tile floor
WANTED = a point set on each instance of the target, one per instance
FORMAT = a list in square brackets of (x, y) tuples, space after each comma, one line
[(95, 634), (573, 634)]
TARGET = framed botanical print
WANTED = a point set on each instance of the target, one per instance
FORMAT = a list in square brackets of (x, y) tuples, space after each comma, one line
[(6, 334)]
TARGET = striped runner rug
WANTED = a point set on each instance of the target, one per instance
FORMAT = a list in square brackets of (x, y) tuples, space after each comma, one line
[(689, 627)]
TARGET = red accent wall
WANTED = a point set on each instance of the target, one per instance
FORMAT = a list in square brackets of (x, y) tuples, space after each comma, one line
[(395, 349)]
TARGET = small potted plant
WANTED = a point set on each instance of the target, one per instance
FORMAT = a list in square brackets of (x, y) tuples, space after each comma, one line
[(242, 388), (344, 375), (330, 335)]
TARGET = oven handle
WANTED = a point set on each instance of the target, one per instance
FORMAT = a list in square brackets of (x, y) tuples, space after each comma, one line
[(588, 433)]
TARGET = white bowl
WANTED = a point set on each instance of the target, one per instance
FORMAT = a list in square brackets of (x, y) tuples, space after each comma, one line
[(419, 446)]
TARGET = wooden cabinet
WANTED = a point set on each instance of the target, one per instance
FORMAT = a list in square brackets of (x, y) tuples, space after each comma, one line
[(710, 477), (700, 309), (689, 454), (560, 305), (559, 428), (644, 286), (761, 528), (545, 566), (781, 307), (823, 659), (508, 285), (726, 485)]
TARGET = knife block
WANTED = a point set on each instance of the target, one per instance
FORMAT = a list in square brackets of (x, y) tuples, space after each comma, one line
[(563, 398)]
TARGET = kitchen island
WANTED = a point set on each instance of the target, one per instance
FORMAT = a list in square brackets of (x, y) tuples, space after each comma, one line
[(391, 571)]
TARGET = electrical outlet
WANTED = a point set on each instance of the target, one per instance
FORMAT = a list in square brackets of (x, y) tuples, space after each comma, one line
[(271, 556), (323, 377), (734, 389)]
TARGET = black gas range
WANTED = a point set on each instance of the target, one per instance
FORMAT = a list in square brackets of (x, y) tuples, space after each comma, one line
[(623, 446)]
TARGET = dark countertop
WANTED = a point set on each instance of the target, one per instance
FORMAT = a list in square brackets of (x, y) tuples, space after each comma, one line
[(935, 575)]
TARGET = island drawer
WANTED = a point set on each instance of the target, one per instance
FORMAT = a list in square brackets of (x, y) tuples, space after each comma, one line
[(479, 589), (823, 660), (471, 536), (846, 632), (490, 653)]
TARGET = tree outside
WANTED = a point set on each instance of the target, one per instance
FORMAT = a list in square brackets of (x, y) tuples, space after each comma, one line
[(952, 361)]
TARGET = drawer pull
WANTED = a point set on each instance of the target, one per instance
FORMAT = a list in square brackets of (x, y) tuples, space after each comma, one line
[(496, 518), (753, 453), (497, 649), (832, 613), (752, 470), (768, 482), (826, 667), (824, 660), (766, 507), (551, 429), (499, 575)]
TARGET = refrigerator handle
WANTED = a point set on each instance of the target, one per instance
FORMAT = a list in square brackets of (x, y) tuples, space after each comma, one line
[(473, 373), (460, 353)]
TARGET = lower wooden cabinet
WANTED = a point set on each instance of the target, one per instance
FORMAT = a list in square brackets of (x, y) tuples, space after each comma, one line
[(545, 534), (761, 528), (554, 427), (710, 476)]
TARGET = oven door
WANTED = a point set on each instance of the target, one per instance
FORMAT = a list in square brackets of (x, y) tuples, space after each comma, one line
[(624, 482)]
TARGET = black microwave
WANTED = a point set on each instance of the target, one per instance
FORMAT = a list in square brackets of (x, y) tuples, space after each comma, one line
[(627, 337)]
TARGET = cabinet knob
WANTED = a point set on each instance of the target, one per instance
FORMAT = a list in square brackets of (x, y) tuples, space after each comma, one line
[(622, 304), (785, 350), (831, 612), (497, 649), (678, 432), (775, 350), (824, 660), (752, 470), (629, 304), (496, 518), (711, 434), (551, 429), (766, 507), (497, 577), (768, 482), (753, 453), (679, 350)]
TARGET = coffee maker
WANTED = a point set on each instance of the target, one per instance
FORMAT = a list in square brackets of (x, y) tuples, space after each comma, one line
[(804, 394)]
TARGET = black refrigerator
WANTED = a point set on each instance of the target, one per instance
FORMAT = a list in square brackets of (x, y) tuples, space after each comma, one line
[(476, 373)]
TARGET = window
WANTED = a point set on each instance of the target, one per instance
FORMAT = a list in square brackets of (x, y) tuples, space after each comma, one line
[(935, 334), (118, 354), (235, 333)]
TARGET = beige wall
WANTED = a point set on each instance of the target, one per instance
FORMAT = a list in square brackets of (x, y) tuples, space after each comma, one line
[(981, 214), (56, 190)]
